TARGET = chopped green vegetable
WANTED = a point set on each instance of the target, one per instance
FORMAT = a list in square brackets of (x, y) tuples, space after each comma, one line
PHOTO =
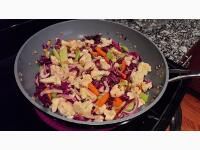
[(53, 95), (124, 48), (63, 55), (111, 56), (55, 53), (130, 107), (77, 56), (144, 97)]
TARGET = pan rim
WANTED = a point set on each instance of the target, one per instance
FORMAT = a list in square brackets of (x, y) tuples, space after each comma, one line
[(111, 122)]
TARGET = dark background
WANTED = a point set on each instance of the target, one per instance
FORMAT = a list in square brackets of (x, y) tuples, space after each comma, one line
[(16, 112)]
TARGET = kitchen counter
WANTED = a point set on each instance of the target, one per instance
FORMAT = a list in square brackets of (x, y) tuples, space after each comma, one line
[(173, 37)]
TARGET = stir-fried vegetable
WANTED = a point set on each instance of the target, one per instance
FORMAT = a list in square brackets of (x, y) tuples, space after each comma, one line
[(124, 48), (94, 54), (77, 56), (101, 101), (111, 56), (93, 89), (130, 107), (63, 55), (144, 97), (123, 66), (117, 102), (91, 79), (56, 54), (122, 75), (102, 53)]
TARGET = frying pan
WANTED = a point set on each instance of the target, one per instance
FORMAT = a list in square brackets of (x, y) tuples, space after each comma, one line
[(25, 69)]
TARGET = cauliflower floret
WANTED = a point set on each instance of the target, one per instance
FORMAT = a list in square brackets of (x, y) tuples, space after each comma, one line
[(136, 90), (98, 118), (134, 93), (76, 82), (87, 94), (131, 95), (86, 57), (98, 74), (104, 64), (117, 90), (66, 43), (144, 68), (86, 80), (128, 60), (85, 51), (141, 102), (54, 60), (52, 79), (89, 41), (70, 61), (55, 103), (58, 71), (73, 44), (145, 86), (109, 114), (84, 108), (116, 65), (72, 76), (138, 76), (66, 108), (100, 110), (89, 65), (105, 42)]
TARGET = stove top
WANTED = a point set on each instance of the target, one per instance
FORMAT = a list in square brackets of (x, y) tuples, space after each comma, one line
[(19, 114)]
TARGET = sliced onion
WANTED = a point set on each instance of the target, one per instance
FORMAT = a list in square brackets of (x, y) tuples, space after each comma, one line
[(65, 96), (77, 94), (71, 98), (48, 91), (107, 86), (135, 106), (43, 72)]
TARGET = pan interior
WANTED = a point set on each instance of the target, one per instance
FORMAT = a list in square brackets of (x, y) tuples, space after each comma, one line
[(25, 60)]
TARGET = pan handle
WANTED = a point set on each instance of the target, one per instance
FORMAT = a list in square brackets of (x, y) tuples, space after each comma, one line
[(179, 71), (188, 74)]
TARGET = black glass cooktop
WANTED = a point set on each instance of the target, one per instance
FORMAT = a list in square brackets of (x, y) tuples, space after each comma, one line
[(17, 113)]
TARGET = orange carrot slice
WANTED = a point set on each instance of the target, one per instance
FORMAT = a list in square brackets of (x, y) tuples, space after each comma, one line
[(100, 52), (117, 102), (100, 102), (123, 66), (123, 75), (95, 54), (93, 89)]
